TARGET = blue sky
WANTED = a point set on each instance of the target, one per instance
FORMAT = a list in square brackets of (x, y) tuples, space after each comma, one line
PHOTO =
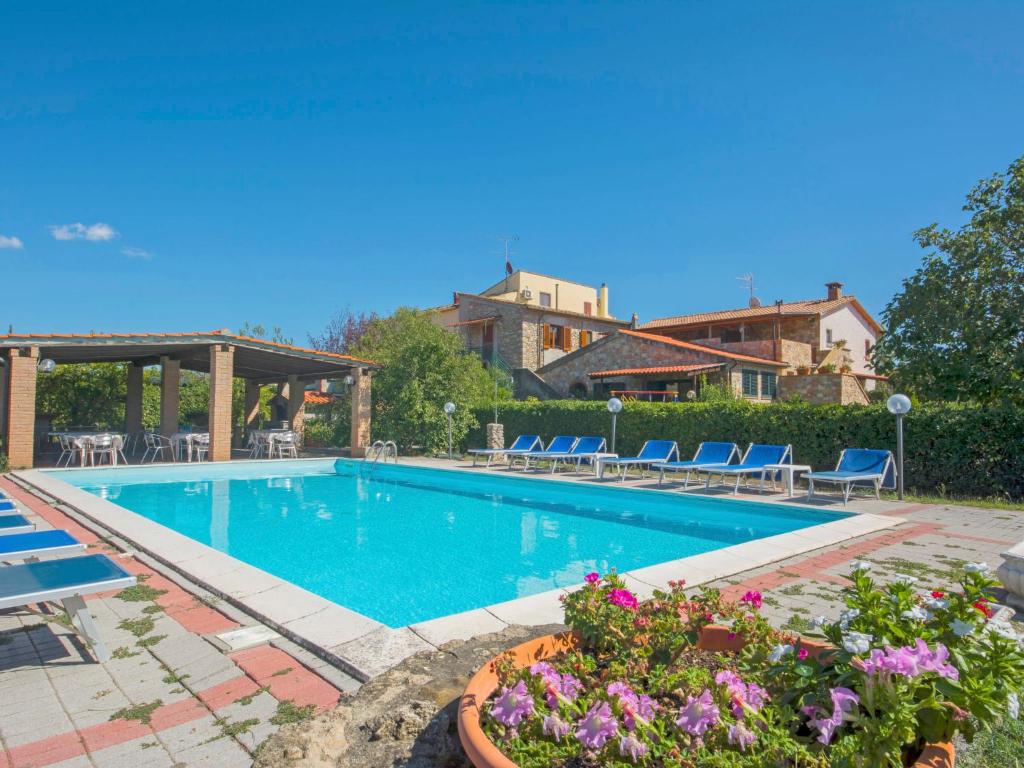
[(276, 162)]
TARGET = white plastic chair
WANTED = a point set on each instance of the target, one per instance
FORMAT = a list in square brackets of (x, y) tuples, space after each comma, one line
[(156, 444), (67, 450), (285, 442), (103, 445), (200, 446)]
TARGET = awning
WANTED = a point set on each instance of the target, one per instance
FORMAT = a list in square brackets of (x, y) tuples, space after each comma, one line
[(658, 369), (477, 321)]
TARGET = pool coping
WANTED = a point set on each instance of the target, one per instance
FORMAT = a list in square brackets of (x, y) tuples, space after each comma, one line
[(364, 647)]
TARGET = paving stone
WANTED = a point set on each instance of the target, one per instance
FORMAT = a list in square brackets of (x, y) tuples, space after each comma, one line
[(222, 753), (145, 752), (183, 737)]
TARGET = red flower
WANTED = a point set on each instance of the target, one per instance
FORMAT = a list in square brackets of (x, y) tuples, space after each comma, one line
[(983, 609), (753, 598), (938, 594)]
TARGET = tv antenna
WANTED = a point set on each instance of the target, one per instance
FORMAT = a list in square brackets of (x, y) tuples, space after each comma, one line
[(506, 240), (748, 280)]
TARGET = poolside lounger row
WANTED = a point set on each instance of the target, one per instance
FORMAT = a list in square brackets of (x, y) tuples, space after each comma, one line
[(857, 466), (566, 449), (68, 578), (523, 444)]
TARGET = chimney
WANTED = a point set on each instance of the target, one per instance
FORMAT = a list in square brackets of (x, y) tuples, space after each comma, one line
[(835, 291), (602, 301), (634, 321)]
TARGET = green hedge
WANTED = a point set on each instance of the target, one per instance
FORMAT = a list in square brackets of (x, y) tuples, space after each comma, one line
[(960, 450)]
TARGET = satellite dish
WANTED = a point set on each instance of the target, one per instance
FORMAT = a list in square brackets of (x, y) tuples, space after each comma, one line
[(754, 302)]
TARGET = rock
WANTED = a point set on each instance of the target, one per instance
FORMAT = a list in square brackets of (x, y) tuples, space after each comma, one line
[(404, 718)]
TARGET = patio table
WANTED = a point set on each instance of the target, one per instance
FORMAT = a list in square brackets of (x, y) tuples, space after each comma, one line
[(179, 439), (84, 442)]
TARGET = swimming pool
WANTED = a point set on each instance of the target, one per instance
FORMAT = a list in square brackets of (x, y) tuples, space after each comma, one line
[(403, 544)]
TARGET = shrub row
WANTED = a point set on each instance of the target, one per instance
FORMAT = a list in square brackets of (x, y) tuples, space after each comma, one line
[(960, 450)]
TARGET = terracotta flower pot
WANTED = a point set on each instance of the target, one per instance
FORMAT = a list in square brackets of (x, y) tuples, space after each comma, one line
[(481, 686)]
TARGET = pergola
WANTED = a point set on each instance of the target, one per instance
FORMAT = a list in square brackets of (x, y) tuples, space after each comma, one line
[(221, 354)]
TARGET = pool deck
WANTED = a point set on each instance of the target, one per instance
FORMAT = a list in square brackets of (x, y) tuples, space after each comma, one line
[(363, 647), (61, 708)]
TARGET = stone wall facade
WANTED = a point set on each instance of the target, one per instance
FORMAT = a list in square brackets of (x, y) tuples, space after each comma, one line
[(823, 388)]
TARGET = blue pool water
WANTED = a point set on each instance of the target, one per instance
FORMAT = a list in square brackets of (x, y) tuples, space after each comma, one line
[(406, 544)]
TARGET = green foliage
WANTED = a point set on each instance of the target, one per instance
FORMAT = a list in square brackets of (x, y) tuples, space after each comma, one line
[(955, 331), (83, 395), (969, 450), (1001, 747), (423, 366), (715, 392)]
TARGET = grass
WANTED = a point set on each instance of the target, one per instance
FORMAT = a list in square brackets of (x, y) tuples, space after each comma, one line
[(172, 679), (287, 713), (141, 712), (982, 502), (246, 700), (123, 653), (149, 642), (280, 672), (232, 730), (792, 589), (798, 624), (151, 609), (999, 748), (140, 593), (138, 627)]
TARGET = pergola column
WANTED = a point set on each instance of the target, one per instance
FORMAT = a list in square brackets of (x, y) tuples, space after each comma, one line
[(296, 405), (252, 405), (170, 379), (133, 401), (361, 412), (20, 423), (222, 369)]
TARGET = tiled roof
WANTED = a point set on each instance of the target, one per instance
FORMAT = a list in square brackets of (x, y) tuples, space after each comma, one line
[(656, 369), (19, 337), (540, 309), (791, 308), (702, 348), (312, 397)]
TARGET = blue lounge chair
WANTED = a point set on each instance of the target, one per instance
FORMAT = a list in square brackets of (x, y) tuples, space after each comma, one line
[(587, 449), (559, 445), (857, 466), (7, 507), (36, 544), (757, 457), (67, 580), (708, 454), (523, 444), (652, 452), (15, 524)]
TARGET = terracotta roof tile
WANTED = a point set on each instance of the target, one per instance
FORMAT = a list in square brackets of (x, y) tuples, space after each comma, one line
[(791, 308), (312, 397), (657, 369), (702, 348)]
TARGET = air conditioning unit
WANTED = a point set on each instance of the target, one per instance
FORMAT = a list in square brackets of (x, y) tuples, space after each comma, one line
[(527, 294)]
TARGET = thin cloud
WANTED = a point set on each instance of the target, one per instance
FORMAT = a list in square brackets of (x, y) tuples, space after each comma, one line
[(12, 243), (97, 233), (136, 253)]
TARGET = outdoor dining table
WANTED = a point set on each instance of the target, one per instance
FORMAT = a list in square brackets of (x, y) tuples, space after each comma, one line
[(83, 441), (184, 439), (266, 437)]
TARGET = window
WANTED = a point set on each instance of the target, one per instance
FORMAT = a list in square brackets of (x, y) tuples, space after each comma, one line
[(545, 299), (557, 337), (828, 336), (769, 385), (750, 383), (731, 336), (588, 309)]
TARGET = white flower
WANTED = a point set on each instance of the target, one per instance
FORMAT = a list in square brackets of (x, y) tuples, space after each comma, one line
[(906, 579), (778, 652), (860, 565), (818, 622), (961, 628), (937, 603), (1013, 706), (857, 642), (846, 617), (982, 568), (918, 613)]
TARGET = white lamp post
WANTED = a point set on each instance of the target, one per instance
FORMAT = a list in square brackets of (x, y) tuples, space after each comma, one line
[(899, 406), (614, 406), (449, 409), (46, 365)]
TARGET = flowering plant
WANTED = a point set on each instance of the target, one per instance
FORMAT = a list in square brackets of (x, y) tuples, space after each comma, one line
[(902, 668)]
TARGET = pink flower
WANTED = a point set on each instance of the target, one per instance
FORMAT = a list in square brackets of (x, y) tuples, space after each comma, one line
[(910, 661), (802, 654), (742, 695), (630, 746), (592, 578), (623, 598), (556, 687), (597, 726), (512, 705), (555, 727), (699, 714), (753, 598), (634, 707), (844, 702), (741, 736)]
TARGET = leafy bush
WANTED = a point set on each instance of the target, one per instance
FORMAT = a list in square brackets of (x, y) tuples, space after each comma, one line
[(968, 450), (902, 668)]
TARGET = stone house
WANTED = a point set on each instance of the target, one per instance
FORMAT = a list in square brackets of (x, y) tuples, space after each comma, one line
[(649, 366), (529, 320)]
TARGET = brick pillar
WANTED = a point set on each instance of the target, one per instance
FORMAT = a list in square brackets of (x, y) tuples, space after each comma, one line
[(133, 401), (296, 404), (20, 433), (252, 405), (361, 413), (3, 396), (170, 378), (222, 368)]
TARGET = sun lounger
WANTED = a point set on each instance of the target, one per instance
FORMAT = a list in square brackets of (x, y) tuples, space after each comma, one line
[(36, 544), (857, 466), (7, 507), (652, 452), (68, 580), (559, 445), (15, 524), (708, 454), (586, 449), (754, 461), (523, 444)]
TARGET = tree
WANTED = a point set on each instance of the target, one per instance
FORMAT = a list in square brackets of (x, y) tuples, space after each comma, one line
[(342, 332), (422, 367), (955, 331), (259, 331)]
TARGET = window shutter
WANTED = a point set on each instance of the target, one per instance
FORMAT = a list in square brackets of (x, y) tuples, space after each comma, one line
[(547, 336), (584, 338), (566, 338)]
